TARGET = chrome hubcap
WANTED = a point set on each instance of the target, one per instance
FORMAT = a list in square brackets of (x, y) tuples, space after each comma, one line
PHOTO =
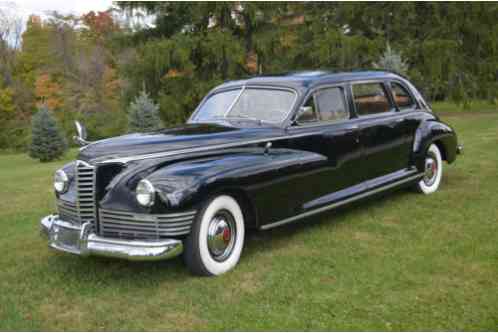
[(431, 169), (221, 235)]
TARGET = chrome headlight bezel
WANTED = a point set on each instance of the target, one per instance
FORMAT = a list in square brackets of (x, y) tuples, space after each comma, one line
[(61, 181), (145, 193)]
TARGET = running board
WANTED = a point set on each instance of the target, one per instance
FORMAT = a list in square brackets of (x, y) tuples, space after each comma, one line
[(340, 203)]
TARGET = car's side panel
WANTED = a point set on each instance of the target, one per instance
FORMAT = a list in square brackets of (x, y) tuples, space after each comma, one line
[(277, 182), (382, 141)]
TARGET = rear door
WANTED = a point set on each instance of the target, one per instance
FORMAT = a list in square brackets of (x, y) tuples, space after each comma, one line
[(382, 141)]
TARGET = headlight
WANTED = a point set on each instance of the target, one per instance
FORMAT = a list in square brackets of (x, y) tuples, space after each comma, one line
[(146, 193), (61, 181)]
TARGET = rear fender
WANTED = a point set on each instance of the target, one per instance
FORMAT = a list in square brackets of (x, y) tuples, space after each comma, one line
[(434, 131)]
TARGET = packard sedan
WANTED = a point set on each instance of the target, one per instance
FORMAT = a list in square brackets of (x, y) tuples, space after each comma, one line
[(256, 153)]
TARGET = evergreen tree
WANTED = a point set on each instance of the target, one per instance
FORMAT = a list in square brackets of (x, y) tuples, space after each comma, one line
[(143, 114), (47, 143), (392, 61)]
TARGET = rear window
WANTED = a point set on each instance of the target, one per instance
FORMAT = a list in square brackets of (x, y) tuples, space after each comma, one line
[(370, 98)]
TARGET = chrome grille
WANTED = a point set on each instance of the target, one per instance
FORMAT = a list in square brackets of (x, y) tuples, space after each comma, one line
[(84, 209), (145, 226), (68, 211), (85, 186)]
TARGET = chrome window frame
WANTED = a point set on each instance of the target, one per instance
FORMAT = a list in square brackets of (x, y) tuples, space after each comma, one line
[(210, 94), (319, 122)]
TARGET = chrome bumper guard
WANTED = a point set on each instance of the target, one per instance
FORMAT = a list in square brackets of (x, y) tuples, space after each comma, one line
[(81, 240)]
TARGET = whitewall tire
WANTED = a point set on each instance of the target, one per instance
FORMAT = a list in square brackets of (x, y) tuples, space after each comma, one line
[(216, 240), (433, 171)]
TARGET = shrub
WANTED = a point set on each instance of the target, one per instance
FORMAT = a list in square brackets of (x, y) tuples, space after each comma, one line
[(392, 61), (47, 141), (143, 114)]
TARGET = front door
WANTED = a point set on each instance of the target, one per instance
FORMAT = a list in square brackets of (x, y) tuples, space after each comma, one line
[(326, 128)]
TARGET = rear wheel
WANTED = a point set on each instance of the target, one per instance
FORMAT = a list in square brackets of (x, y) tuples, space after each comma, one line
[(216, 240), (433, 171)]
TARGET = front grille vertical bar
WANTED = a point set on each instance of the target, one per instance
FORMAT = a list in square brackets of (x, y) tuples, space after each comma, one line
[(85, 184)]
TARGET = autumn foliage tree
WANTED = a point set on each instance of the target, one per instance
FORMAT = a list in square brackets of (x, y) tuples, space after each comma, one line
[(48, 92)]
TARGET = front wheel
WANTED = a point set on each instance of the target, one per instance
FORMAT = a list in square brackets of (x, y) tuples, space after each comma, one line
[(433, 171), (215, 242)]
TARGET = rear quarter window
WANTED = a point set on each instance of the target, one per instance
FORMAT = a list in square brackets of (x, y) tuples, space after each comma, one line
[(401, 96)]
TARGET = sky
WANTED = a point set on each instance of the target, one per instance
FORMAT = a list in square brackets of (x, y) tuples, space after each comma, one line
[(24, 8)]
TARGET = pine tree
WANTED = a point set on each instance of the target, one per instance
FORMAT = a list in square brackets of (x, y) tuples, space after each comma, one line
[(48, 143), (143, 114), (392, 61)]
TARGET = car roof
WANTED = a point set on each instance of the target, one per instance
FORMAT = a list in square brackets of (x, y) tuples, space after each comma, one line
[(304, 80)]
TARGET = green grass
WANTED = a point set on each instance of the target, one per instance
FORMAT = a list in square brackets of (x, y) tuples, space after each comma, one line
[(402, 261), (472, 106)]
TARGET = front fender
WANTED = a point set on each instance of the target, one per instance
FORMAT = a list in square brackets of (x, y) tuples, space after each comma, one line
[(434, 131), (186, 183)]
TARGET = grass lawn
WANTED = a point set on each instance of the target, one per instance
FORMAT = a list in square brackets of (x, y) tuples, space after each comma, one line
[(402, 261)]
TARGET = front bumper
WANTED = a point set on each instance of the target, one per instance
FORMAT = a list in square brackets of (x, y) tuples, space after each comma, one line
[(81, 240)]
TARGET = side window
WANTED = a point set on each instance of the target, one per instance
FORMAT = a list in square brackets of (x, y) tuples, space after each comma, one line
[(401, 96), (370, 98), (331, 104), (308, 112)]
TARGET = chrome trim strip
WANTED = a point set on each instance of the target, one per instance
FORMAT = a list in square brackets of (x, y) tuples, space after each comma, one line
[(124, 160), (340, 203), (234, 101), (190, 213)]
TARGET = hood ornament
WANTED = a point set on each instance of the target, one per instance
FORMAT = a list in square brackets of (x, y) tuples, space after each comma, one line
[(80, 139)]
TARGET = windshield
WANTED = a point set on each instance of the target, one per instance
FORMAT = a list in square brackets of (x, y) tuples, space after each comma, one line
[(268, 105)]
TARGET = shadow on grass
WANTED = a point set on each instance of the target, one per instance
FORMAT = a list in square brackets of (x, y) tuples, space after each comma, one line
[(279, 236)]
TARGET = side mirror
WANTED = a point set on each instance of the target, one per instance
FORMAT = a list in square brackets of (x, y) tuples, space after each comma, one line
[(304, 114), (80, 139)]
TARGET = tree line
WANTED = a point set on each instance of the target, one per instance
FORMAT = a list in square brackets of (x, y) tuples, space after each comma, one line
[(97, 69)]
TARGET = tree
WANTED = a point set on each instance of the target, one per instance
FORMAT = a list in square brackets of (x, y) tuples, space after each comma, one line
[(143, 114), (48, 92), (392, 61), (10, 37), (47, 143)]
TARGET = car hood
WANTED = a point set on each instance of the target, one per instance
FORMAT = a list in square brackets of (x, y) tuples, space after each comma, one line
[(189, 136)]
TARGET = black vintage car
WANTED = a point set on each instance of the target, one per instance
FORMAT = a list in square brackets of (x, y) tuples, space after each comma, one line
[(257, 153)]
